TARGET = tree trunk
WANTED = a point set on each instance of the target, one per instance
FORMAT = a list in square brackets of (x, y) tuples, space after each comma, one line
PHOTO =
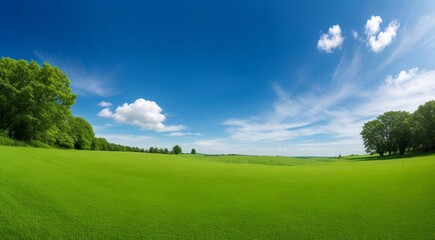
[(402, 151)]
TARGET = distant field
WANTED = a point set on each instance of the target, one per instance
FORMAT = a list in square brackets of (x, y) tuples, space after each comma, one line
[(67, 194)]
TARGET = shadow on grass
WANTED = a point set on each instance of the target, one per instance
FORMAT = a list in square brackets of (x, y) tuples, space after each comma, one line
[(392, 157)]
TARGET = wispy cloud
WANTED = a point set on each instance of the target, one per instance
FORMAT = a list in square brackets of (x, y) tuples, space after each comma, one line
[(183, 134), (355, 34), (414, 37), (325, 116), (104, 104), (84, 80)]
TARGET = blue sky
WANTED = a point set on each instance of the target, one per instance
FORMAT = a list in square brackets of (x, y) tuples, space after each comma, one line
[(250, 77)]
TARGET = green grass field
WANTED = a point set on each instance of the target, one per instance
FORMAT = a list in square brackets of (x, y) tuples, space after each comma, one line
[(65, 194)]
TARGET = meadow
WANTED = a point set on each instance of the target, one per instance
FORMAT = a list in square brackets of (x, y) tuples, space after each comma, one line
[(69, 194)]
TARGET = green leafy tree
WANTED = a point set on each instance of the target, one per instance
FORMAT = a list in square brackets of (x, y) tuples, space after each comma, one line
[(33, 99), (387, 119), (397, 130), (389, 132), (373, 136), (177, 149), (82, 133), (401, 130), (423, 123), (193, 151)]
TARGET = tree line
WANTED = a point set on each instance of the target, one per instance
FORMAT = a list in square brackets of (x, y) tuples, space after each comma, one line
[(401, 131), (35, 107), (175, 150)]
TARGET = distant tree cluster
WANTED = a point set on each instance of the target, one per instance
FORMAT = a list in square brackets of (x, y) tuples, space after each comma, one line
[(175, 150), (157, 150), (399, 131)]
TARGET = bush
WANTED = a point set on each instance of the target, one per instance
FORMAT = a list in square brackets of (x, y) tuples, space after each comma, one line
[(39, 144), (6, 141)]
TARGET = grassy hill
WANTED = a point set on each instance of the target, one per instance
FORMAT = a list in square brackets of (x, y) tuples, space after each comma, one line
[(67, 194)]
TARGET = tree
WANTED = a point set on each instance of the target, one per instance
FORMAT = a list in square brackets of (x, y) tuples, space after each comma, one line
[(33, 99), (423, 123), (100, 144), (193, 151), (82, 133), (401, 130), (373, 135), (389, 132), (177, 149)]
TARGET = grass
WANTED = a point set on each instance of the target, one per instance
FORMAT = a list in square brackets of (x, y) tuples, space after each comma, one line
[(67, 194)]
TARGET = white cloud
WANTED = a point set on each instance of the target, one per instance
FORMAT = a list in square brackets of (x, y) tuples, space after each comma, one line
[(104, 104), (83, 80), (181, 134), (142, 113), (405, 91), (373, 25), (105, 113), (331, 40), (376, 39), (177, 134)]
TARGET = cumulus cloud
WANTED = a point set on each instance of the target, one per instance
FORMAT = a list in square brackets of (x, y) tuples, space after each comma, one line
[(373, 25), (104, 104), (405, 91), (105, 113), (331, 40), (376, 39), (142, 113)]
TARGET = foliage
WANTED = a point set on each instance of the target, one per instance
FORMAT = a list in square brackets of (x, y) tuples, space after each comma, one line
[(82, 133), (39, 144), (424, 126), (33, 98), (373, 135), (193, 151), (177, 150), (398, 131), (6, 141)]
